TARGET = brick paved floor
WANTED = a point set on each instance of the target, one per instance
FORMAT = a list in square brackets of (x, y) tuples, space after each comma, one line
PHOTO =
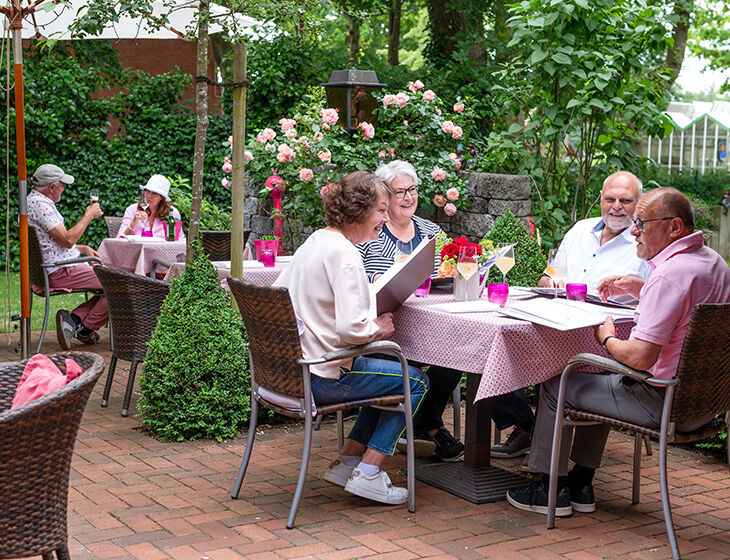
[(132, 497)]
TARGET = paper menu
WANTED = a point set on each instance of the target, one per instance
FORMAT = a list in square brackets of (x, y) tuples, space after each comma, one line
[(564, 315)]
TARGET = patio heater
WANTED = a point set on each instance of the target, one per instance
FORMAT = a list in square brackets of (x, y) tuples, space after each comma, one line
[(349, 91)]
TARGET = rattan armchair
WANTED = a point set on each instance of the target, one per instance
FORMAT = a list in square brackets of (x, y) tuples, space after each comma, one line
[(134, 306), (39, 279), (113, 223), (700, 390), (36, 445), (277, 365), (217, 244)]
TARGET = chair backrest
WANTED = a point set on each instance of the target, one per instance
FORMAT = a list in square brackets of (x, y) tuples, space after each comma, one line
[(113, 223), (36, 446), (134, 306), (704, 365), (35, 258), (273, 337), (217, 244)]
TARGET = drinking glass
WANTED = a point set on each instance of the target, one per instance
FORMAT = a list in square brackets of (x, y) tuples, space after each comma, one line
[(423, 289), (505, 259), (467, 265), (557, 267), (576, 292), (268, 258), (93, 196), (497, 292), (402, 251)]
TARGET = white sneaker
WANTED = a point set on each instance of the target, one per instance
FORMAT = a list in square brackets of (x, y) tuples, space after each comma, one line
[(377, 488), (338, 472)]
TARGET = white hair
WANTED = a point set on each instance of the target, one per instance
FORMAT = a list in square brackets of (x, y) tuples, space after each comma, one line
[(639, 184), (397, 168)]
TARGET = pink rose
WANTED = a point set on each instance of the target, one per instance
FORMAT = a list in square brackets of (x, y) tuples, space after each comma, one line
[(291, 133), (324, 156), (270, 147), (227, 167), (269, 134), (447, 126), (438, 174), (402, 98), (306, 175), (226, 183), (381, 154), (329, 116), (318, 136), (457, 132), (389, 100), (368, 130), (438, 111), (428, 95), (459, 107), (457, 164), (260, 138), (449, 209), (452, 194), (439, 200), (285, 154), (248, 155), (415, 86), (324, 191), (452, 156), (230, 140), (391, 152), (287, 124)]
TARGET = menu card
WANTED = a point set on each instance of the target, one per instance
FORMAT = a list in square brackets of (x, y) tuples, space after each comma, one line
[(564, 315)]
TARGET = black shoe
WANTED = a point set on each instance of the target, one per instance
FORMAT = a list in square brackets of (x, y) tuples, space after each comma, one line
[(448, 448), (423, 445), (87, 336), (583, 499), (517, 444), (535, 498), (65, 328)]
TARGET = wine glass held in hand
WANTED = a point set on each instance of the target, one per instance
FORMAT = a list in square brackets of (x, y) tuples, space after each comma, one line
[(557, 267), (467, 265), (505, 259), (93, 196)]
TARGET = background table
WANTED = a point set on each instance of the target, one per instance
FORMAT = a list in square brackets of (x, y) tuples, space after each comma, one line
[(500, 354), (261, 276), (137, 256)]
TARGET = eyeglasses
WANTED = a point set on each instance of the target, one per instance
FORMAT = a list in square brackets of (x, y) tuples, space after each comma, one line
[(639, 223), (413, 191)]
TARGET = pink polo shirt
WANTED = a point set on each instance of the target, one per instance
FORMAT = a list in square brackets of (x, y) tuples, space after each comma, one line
[(684, 274)]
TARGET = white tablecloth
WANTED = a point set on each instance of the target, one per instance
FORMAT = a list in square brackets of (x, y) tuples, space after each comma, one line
[(136, 256)]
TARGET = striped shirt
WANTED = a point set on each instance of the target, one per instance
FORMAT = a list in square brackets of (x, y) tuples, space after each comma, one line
[(377, 256)]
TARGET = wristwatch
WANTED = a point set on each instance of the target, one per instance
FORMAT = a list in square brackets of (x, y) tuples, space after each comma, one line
[(605, 340)]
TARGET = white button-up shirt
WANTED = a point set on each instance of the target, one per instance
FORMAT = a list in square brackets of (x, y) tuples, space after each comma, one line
[(589, 261), (43, 216)]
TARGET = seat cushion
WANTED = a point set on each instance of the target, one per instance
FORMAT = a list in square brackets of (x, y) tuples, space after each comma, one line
[(40, 377)]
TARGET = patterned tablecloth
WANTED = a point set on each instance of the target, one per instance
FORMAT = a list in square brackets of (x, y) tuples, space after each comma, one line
[(136, 256), (508, 353), (262, 276)]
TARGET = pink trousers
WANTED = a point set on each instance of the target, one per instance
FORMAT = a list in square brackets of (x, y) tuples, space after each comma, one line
[(94, 313)]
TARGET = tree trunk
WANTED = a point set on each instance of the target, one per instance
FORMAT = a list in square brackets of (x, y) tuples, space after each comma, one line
[(238, 191), (502, 31), (447, 23), (353, 37), (394, 14), (675, 55), (201, 126)]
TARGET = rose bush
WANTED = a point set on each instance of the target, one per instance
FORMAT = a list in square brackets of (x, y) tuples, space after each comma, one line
[(310, 149)]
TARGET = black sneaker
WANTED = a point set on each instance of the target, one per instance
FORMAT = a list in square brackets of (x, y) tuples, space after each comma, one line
[(448, 448), (583, 499), (535, 498), (87, 337), (423, 445), (517, 444)]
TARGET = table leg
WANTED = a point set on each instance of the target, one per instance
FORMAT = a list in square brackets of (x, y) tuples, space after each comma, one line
[(473, 479)]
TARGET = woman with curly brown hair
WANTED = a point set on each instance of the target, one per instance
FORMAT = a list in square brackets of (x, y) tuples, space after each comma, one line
[(330, 295), (151, 211)]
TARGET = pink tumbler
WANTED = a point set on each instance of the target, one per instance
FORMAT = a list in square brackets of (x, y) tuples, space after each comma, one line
[(576, 292), (497, 292), (423, 289), (267, 258), (147, 232), (178, 230)]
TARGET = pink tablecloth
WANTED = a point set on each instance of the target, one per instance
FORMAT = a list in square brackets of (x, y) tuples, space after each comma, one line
[(134, 256), (262, 276), (508, 353)]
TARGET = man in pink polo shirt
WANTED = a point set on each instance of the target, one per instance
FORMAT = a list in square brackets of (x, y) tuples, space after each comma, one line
[(684, 273)]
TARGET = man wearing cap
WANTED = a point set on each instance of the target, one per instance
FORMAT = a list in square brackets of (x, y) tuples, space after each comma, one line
[(152, 210), (57, 244)]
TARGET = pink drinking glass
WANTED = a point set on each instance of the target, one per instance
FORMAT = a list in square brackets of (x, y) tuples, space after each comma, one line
[(423, 289), (576, 292), (497, 292), (267, 258), (147, 232)]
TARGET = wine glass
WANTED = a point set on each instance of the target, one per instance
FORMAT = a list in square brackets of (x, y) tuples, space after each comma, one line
[(403, 250), (557, 267), (467, 265), (93, 196), (505, 259), (144, 205)]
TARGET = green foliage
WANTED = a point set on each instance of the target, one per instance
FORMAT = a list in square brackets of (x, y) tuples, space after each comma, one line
[(195, 382), (707, 186), (529, 258), (703, 214), (211, 217)]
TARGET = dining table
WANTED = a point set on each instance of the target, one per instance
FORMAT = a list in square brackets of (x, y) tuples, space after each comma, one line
[(253, 271), (499, 354), (136, 254)]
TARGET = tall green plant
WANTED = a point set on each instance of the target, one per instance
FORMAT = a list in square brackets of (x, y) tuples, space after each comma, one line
[(195, 382), (529, 258)]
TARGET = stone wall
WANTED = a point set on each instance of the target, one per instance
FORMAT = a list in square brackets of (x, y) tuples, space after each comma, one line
[(490, 193)]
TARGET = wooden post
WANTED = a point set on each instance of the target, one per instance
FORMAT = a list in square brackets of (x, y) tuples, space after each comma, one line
[(238, 191), (720, 239)]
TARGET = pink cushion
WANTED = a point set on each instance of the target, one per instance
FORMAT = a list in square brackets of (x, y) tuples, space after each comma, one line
[(40, 377)]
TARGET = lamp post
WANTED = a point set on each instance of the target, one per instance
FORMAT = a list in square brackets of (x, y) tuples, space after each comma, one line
[(349, 91)]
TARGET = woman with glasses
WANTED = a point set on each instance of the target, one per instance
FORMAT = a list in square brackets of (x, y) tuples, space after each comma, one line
[(400, 236)]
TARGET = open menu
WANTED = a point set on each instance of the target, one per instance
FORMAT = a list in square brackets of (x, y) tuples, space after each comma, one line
[(401, 280), (564, 315), (625, 301)]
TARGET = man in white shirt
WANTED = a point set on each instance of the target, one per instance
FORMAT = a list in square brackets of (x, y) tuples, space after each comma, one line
[(595, 249), (59, 244)]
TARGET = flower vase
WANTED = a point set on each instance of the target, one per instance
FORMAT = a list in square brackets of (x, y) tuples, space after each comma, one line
[(262, 245), (466, 290)]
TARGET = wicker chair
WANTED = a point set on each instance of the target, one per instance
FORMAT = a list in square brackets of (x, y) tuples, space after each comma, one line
[(277, 365), (701, 389), (39, 279), (36, 445), (113, 223), (134, 306), (217, 244)]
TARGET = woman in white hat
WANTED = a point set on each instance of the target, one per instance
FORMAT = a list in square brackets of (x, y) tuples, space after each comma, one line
[(151, 211)]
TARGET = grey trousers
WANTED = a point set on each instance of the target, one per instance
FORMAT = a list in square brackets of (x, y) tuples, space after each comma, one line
[(603, 393)]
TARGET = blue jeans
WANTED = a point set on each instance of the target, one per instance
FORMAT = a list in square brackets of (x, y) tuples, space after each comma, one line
[(372, 377)]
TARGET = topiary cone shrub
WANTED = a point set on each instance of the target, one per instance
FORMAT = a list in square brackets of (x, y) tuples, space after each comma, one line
[(529, 258), (195, 382)]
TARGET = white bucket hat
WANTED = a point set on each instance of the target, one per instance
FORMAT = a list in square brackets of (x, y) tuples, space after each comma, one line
[(157, 184)]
